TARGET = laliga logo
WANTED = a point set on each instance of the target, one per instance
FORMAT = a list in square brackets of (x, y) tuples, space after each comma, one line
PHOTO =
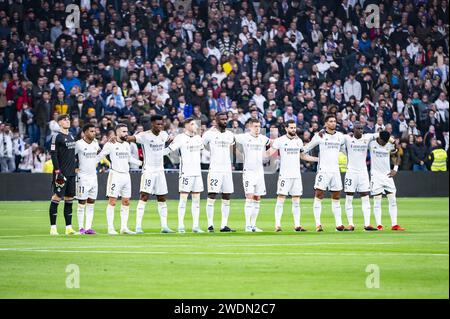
[(73, 19), (373, 16)]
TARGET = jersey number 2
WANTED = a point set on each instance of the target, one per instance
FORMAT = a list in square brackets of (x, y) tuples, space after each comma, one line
[(214, 182)]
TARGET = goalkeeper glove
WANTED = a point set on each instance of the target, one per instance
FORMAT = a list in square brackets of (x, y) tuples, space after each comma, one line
[(60, 180)]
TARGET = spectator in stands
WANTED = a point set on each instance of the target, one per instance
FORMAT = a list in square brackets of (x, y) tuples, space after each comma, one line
[(419, 154), (7, 163), (289, 59)]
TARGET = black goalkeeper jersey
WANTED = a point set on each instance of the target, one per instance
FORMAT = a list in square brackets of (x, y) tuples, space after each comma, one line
[(63, 154)]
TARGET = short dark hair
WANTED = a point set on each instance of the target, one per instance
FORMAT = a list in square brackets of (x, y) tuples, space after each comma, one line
[(329, 116), (189, 120), (88, 126), (252, 120), (286, 124), (221, 113), (62, 117), (118, 126), (384, 136), (156, 117)]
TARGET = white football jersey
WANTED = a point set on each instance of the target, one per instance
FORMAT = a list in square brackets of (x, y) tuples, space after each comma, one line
[(254, 149), (357, 152), (380, 158), (87, 156), (290, 150), (329, 147), (119, 154), (219, 145), (190, 153), (153, 149)]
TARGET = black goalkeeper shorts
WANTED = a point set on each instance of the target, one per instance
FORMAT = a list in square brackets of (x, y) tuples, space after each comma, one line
[(69, 188)]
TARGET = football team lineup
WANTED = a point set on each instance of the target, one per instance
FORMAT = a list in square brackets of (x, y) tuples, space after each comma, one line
[(75, 174), (245, 252)]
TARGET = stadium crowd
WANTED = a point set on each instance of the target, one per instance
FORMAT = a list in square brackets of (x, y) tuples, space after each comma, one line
[(271, 60)]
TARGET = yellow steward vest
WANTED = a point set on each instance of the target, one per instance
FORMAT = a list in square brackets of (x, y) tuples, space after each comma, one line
[(440, 160)]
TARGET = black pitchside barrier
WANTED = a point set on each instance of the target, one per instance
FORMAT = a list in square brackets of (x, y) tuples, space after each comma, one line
[(25, 186)]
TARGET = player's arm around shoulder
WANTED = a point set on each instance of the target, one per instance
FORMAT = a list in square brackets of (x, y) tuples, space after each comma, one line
[(168, 138), (174, 145), (313, 143), (104, 152), (206, 139), (239, 138), (306, 157), (131, 158), (395, 158), (274, 147)]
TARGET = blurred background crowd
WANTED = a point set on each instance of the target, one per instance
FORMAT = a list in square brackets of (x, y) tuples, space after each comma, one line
[(271, 60)]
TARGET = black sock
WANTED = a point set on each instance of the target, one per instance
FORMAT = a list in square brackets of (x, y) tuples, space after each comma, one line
[(68, 212), (53, 212)]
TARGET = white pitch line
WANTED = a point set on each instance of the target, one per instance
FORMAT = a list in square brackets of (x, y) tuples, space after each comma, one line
[(221, 253), (196, 245)]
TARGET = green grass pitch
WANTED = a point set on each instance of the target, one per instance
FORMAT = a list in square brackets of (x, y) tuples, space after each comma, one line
[(412, 264)]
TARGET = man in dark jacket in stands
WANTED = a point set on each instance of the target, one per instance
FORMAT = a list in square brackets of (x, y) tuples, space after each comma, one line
[(42, 113), (419, 155)]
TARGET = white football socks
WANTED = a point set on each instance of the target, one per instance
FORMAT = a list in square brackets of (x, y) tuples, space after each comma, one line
[(317, 208), (110, 216), (365, 203), (225, 212), (392, 208), (140, 209), (162, 210), (210, 211), (377, 209), (296, 212), (336, 207), (349, 209), (89, 215), (195, 211), (248, 211), (278, 212), (80, 215), (181, 212), (124, 213), (256, 206)]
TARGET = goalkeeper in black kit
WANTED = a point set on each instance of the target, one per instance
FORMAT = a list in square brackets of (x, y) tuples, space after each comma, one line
[(64, 174)]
